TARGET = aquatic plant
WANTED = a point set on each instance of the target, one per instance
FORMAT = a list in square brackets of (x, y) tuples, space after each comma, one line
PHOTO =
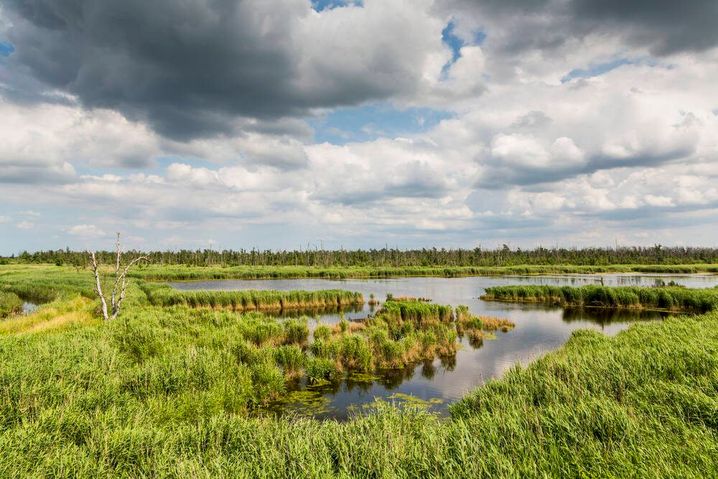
[(162, 295), (322, 332), (663, 298)]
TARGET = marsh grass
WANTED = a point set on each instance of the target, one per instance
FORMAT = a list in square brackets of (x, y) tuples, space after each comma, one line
[(655, 298), (10, 304), (162, 295), (169, 392), (479, 328), (58, 314), (185, 273), (74, 403)]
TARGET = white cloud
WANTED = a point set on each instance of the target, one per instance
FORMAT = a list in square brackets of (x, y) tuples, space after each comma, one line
[(25, 225), (524, 156), (86, 231)]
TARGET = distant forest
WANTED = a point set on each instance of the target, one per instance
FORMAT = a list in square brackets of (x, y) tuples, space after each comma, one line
[(395, 257)]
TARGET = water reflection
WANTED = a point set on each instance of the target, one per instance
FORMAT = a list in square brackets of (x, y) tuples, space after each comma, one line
[(29, 308), (539, 329)]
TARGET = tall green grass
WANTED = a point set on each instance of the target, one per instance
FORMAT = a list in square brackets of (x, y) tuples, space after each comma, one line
[(44, 283), (10, 304), (669, 298), (161, 295), (162, 393)]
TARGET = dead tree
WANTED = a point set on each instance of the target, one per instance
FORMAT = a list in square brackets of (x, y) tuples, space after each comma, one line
[(119, 288)]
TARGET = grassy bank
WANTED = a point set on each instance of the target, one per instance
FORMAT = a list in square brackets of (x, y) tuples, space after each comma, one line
[(162, 395), (663, 298), (186, 273), (32, 280)]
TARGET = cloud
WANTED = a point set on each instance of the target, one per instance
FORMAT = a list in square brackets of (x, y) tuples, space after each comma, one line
[(663, 27), (40, 141), (86, 231), (550, 121), (25, 225), (189, 68)]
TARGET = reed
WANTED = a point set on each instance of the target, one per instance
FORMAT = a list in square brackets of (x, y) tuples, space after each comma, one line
[(10, 304), (77, 403), (477, 327), (656, 298), (162, 295)]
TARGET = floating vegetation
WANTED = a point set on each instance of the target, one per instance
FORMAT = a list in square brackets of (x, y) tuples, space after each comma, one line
[(413, 401), (657, 298), (301, 403)]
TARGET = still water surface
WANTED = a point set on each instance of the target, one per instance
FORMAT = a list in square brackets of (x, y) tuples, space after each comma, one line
[(539, 329)]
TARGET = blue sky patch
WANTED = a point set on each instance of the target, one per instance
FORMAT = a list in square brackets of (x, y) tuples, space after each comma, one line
[(452, 41), (320, 5), (6, 49), (369, 122), (602, 68)]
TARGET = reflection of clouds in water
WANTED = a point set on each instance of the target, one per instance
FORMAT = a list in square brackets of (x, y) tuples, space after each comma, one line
[(539, 329)]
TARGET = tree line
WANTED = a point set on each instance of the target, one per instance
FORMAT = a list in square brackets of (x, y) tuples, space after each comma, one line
[(386, 257)]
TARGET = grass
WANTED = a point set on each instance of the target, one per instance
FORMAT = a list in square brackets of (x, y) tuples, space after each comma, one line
[(667, 299), (161, 394), (161, 295), (10, 304), (169, 391), (44, 283), (185, 273)]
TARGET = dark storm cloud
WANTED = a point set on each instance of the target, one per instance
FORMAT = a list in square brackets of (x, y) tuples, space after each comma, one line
[(667, 26), (663, 26), (188, 68)]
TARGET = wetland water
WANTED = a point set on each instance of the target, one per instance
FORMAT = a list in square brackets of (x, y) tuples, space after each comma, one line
[(539, 329)]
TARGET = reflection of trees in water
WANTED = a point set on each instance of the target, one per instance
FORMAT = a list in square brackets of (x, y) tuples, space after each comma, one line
[(392, 378), (605, 317), (312, 312), (448, 362), (428, 370)]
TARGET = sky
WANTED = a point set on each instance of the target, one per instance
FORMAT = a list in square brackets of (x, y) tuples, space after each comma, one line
[(288, 124)]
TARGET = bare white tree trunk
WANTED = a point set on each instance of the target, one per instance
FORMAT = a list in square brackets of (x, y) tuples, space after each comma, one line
[(119, 289), (98, 286)]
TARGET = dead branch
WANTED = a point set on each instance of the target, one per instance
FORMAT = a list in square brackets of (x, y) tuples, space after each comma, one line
[(119, 288)]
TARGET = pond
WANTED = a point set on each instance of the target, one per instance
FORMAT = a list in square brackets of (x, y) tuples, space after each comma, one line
[(539, 329), (29, 308)]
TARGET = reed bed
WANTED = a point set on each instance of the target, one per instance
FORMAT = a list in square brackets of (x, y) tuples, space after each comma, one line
[(478, 328), (162, 393), (399, 334), (656, 298), (161, 295)]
